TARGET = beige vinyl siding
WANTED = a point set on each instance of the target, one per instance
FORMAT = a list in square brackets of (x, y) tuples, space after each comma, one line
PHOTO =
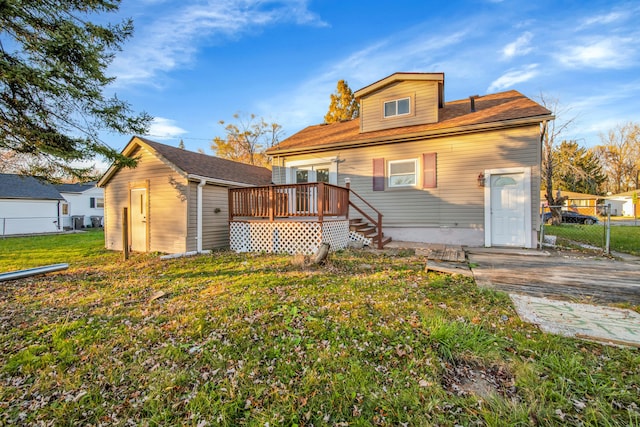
[(167, 202), (278, 171), (215, 226), (458, 200), (423, 105)]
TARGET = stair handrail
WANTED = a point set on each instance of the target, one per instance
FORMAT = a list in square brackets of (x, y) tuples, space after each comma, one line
[(377, 224)]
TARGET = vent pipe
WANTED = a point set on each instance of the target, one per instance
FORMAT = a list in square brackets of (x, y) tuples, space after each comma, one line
[(472, 100)]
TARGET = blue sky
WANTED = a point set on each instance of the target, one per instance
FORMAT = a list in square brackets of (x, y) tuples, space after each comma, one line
[(192, 63)]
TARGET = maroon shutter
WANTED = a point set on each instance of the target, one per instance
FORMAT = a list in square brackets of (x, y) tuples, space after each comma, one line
[(429, 175), (378, 174)]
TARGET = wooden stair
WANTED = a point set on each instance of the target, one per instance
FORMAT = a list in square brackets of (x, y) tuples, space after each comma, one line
[(367, 230)]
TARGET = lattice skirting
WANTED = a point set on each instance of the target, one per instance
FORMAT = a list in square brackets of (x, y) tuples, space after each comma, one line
[(357, 237), (296, 237)]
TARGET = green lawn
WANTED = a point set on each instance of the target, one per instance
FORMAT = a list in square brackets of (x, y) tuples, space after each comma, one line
[(369, 339), (622, 239)]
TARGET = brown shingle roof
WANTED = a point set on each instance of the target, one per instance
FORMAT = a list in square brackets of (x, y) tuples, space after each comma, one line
[(202, 165), (210, 166), (456, 115)]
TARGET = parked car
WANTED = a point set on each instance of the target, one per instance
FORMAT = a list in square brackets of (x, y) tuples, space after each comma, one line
[(571, 217)]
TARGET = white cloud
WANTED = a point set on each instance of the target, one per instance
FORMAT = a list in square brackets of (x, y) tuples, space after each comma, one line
[(162, 128), (608, 18), (173, 40), (518, 47), (511, 77), (611, 52), (414, 50)]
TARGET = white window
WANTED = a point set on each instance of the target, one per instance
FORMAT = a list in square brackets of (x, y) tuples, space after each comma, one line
[(403, 173), (312, 174), (316, 170), (396, 107), (65, 209), (302, 176), (96, 202)]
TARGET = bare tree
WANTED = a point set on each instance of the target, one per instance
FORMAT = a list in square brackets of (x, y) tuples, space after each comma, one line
[(550, 133), (620, 156), (247, 139)]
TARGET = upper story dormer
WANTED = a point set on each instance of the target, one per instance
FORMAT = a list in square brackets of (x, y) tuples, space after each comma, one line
[(401, 99)]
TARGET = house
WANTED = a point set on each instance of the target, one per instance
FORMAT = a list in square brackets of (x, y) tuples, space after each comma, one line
[(85, 204), (29, 205), (459, 172), (586, 204), (623, 203), (176, 201)]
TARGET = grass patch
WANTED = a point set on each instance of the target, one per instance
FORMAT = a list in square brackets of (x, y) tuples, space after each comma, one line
[(17, 253), (243, 339), (623, 238)]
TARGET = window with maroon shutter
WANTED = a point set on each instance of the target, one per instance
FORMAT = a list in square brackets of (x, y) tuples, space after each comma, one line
[(402, 173), (378, 174), (429, 172)]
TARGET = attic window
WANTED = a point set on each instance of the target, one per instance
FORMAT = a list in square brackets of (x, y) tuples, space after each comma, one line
[(397, 107)]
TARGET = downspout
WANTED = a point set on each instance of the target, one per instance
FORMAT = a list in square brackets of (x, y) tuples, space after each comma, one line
[(199, 216)]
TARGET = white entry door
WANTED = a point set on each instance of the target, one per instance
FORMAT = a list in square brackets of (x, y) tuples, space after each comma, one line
[(508, 209), (138, 215)]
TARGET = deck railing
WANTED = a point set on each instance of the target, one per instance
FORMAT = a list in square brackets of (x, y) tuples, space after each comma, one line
[(309, 200), (272, 202), (377, 222)]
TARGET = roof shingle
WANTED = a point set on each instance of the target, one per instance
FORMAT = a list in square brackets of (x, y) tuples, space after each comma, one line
[(75, 188), (494, 108), (14, 186), (210, 166)]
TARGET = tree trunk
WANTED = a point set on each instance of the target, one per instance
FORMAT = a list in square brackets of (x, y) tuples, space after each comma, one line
[(322, 254)]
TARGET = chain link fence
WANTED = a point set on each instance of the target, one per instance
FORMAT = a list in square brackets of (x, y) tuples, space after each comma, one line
[(569, 227), (46, 224)]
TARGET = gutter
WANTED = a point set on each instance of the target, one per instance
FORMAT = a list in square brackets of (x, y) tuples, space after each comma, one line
[(200, 178), (199, 216), (429, 134)]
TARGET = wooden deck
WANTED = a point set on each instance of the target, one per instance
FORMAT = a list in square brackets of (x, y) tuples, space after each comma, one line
[(449, 259), (558, 275)]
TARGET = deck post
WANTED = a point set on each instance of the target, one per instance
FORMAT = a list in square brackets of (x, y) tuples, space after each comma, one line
[(347, 184), (125, 233), (320, 201), (380, 244), (230, 196), (272, 203)]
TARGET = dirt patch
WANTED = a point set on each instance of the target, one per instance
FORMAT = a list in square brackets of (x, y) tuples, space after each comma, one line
[(465, 377)]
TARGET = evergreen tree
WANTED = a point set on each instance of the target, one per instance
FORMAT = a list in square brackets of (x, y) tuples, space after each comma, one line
[(576, 169), (181, 144), (343, 105), (52, 81)]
